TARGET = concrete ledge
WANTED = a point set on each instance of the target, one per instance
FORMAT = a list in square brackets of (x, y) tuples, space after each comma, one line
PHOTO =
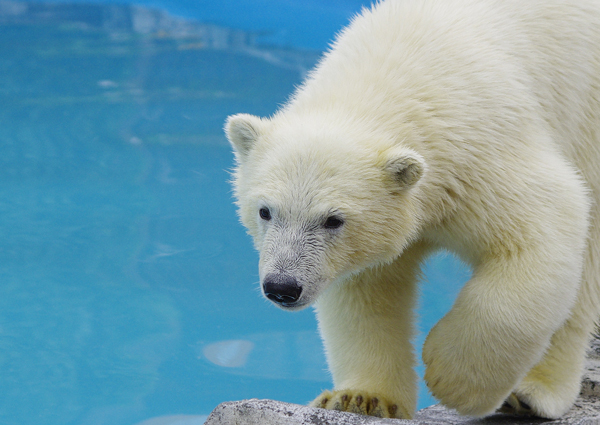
[(586, 410)]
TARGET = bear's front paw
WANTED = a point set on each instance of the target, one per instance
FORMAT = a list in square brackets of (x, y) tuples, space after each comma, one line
[(360, 402), (462, 376)]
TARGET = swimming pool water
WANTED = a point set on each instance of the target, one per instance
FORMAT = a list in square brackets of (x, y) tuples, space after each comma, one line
[(128, 288)]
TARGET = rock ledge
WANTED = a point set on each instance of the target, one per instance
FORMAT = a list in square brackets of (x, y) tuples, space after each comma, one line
[(586, 410)]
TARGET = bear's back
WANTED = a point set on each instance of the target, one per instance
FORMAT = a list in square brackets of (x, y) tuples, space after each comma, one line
[(470, 70)]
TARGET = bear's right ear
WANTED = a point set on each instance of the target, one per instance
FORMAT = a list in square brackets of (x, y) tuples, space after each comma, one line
[(243, 130), (406, 168)]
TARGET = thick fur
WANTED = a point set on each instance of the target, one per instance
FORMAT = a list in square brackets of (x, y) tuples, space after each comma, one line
[(466, 125)]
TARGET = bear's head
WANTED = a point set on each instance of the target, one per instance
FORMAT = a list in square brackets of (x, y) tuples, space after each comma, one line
[(321, 202)]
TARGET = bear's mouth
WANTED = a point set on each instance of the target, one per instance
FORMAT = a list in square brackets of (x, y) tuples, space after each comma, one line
[(292, 306), (283, 303), (286, 303)]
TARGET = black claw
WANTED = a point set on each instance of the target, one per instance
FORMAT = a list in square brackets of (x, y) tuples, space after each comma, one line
[(359, 400), (374, 402), (525, 405)]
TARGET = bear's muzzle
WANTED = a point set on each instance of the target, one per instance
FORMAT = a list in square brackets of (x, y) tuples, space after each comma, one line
[(282, 289)]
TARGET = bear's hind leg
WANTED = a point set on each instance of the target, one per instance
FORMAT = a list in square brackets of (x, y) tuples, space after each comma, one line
[(551, 387)]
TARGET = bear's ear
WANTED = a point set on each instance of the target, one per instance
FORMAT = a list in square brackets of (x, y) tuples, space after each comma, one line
[(243, 130), (406, 168)]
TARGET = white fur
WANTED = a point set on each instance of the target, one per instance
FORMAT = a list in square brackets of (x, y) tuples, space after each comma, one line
[(466, 125)]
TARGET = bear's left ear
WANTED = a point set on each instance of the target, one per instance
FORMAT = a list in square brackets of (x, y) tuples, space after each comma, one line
[(406, 168), (243, 130)]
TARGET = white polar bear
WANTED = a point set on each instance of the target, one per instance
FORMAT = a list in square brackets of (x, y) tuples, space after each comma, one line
[(466, 125)]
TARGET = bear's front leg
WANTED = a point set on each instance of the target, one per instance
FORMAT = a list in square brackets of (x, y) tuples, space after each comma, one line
[(499, 327), (366, 325)]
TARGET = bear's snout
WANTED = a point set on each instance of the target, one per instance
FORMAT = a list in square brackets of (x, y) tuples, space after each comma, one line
[(282, 289)]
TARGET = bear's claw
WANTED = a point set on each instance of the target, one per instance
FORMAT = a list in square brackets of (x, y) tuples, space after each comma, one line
[(360, 402), (513, 406)]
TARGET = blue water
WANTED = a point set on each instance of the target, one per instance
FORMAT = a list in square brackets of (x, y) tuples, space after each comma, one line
[(128, 288), (298, 23)]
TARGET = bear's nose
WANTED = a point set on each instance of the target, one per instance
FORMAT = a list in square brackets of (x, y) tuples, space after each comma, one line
[(282, 289)]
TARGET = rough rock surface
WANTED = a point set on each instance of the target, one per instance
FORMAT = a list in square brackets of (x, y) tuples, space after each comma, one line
[(586, 410)]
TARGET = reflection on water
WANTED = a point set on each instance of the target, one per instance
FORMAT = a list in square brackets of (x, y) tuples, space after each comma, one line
[(274, 355), (231, 353), (127, 286)]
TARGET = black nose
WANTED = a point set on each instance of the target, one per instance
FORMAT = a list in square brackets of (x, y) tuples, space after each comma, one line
[(282, 289)]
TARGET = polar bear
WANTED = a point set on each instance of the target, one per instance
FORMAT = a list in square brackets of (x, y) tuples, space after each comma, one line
[(471, 126)]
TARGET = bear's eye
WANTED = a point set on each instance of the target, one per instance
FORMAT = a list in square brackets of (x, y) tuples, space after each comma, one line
[(333, 222), (265, 214)]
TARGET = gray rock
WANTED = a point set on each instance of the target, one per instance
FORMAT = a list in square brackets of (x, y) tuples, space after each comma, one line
[(586, 410)]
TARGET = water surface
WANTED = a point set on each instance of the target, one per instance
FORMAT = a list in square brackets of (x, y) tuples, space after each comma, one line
[(128, 288)]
